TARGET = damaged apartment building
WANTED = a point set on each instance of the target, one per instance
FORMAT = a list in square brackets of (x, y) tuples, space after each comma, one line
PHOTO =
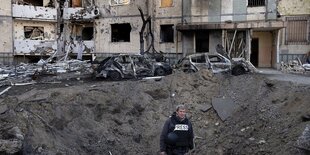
[(264, 32)]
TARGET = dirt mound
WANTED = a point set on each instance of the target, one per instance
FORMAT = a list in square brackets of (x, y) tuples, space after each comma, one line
[(126, 117)]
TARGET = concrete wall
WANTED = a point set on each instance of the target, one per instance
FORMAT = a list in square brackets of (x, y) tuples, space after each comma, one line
[(5, 8), (49, 29), (227, 10), (116, 15), (265, 52), (6, 27), (294, 7), (188, 45), (215, 37), (167, 16), (34, 12), (27, 46), (6, 44)]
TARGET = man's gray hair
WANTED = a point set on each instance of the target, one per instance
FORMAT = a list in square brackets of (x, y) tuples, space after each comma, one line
[(180, 106)]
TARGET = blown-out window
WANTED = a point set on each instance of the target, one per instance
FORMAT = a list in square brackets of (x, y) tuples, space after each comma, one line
[(87, 33), (120, 32), (166, 33), (34, 33), (34, 2)]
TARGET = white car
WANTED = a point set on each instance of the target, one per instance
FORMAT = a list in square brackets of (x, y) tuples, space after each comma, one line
[(214, 62)]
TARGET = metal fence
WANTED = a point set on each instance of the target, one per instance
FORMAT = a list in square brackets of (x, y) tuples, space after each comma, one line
[(288, 57), (6, 58), (253, 3)]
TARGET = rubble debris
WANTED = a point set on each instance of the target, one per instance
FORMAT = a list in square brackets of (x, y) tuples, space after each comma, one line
[(10, 146), (3, 108), (204, 107), (305, 118), (294, 66), (24, 74), (303, 141), (5, 90), (16, 132), (224, 107), (306, 67), (98, 117)]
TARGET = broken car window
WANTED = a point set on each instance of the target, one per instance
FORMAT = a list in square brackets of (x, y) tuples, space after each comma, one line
[(199, 59), (214, 58)]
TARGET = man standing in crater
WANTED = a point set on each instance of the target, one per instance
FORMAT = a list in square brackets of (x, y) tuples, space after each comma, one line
[(177, 135)]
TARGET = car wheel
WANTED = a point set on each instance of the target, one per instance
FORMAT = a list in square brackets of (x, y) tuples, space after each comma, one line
[(238, 70), (114, 75), (160, 72)]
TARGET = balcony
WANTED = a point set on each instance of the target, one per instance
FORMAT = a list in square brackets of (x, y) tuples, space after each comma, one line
[(86, 46), (34, 12), (34, 47), (79, 13)]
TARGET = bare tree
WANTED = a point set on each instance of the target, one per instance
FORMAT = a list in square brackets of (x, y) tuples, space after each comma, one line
[(150, 51), (146, 22)]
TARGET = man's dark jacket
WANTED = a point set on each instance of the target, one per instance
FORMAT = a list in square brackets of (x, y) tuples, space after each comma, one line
[(183, 131)]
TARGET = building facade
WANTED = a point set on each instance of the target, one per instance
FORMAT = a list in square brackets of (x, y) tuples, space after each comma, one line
[(253, 29), (295, 37)]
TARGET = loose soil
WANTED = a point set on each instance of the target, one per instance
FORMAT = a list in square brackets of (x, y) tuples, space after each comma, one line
[(126, 117)]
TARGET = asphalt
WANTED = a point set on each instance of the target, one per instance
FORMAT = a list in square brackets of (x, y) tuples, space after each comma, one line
[(273, 74)]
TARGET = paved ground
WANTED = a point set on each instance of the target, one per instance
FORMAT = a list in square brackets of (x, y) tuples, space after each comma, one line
[(273, 74)]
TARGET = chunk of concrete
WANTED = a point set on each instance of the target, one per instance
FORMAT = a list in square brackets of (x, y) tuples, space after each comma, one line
[(303, 141), (204, 107), (3, 109), (10, 146), (224, 107)]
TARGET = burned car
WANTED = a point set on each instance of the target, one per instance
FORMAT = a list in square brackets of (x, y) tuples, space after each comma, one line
[(213, 62), (217, 62), (130, 66)]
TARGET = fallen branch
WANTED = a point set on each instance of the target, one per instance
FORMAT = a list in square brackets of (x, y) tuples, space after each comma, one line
[(22, 84), (5, 90)]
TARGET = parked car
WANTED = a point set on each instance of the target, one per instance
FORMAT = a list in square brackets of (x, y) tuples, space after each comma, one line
[(213, 62), (130, 66), (216, 63)]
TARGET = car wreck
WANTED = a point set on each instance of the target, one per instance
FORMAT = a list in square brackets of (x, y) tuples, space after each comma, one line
[(125, 66), (218, 62)]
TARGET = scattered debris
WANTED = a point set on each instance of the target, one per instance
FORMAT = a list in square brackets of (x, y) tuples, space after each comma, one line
[(294, 66), (224, 107), (305, 118), (303, 141), (5, 90), (3, 108), (205, 107)]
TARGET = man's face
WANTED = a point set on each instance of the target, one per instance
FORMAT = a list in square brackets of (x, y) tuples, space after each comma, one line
[(181, 113)]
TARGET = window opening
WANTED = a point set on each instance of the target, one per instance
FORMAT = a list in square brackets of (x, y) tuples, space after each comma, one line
[(34, 2), (120, 32), (254, 3), (87, 33), (166, 3), (166, 33), (34, 33), (297, 30)]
